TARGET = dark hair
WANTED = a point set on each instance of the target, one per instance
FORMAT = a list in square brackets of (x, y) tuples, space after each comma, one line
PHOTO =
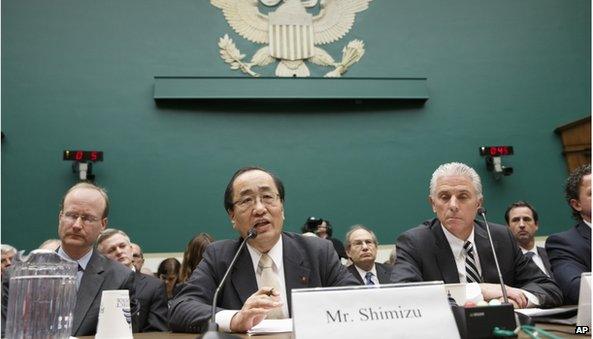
[(573, 186), (193, 254), (521, 203), (228, 193), (169, 266), (311, 225)]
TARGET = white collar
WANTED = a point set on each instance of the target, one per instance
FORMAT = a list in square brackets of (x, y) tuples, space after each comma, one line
[(587, 223), (457, 244), (83, 261), (275, 254), (363, 273)]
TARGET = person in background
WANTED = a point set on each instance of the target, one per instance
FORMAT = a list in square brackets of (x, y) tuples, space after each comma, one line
[(193, 254), (8, 252), (523, 221), (361, 247), (137, 257), (168, 271), (150, 291), (50, 245), (570, 251), (454, 246), (323, 229)]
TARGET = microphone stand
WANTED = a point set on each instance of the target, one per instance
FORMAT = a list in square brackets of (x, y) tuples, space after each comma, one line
[(480, 322), (482, 212), (212, 332)]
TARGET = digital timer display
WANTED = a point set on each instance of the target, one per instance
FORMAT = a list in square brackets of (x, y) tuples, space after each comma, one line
[(83, 156), (496, 151)]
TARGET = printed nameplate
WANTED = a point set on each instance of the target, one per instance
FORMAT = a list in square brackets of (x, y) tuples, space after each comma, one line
[(386, 311)]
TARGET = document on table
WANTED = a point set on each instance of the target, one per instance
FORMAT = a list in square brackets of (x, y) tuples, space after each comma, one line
[(560, 315), (271, 326)]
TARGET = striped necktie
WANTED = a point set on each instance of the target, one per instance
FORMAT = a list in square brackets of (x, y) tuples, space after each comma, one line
[(471, 270), (369, 278)]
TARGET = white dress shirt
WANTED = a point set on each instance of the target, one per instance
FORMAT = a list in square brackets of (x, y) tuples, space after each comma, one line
[(224, 317), (459, 255), (83, 261)]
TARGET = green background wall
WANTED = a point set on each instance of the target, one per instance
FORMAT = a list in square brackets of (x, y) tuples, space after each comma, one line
[(78, 74)]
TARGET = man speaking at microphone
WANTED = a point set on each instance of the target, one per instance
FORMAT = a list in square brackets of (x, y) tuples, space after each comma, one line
[(454, 247), (273, 263)]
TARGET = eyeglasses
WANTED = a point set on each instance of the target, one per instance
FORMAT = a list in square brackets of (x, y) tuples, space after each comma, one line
[(85, 218), (358, 243), (248, 201)]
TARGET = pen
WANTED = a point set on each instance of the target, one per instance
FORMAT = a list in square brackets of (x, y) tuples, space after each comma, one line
[(270, 292)]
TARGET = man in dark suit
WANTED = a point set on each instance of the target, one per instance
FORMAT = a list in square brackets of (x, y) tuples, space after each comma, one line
[(271, 265), (570, 251), (150, 291), (523, 221), (454, 247), (82, 217), (361, 247)]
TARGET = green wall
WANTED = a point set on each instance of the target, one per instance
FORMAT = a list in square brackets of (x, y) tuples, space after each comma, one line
[(78, 74)]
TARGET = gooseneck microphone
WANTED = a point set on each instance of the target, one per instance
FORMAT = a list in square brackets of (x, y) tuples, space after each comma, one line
[(212, 325), (482, 212)]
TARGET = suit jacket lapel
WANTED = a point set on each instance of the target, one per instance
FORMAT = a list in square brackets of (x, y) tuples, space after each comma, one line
[(296, 269), (90, 284), (485, 255), (584, 230), (382, 274), (444, 255), (542, 253), (243, 274)]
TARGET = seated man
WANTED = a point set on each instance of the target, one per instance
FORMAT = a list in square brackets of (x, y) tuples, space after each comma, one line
[(271, 265), (570, 251), (523, 221), (361, 247), (82, 217), (454, 247), (150, 291)]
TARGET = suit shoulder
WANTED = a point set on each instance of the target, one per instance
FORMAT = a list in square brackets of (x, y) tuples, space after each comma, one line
[(306, 242), (420, 232), (152, 280)]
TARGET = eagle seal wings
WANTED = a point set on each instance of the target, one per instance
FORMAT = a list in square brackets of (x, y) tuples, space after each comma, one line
[(245, 19), (333, 21)]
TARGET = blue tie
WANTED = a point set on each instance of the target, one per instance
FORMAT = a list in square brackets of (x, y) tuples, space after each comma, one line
[(368, 277)]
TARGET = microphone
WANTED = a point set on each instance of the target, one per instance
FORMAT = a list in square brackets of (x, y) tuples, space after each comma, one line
[(212, 332), (483, 321), (482, 212)]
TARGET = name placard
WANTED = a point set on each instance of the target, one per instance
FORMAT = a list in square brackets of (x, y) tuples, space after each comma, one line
[(386, 311)]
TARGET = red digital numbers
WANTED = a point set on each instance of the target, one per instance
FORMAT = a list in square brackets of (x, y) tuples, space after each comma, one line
[(78, 155), (496, 151), (93, 155)]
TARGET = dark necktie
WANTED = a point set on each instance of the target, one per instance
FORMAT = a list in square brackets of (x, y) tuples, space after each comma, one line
[(471, 270), (368, 277), (529, 255)]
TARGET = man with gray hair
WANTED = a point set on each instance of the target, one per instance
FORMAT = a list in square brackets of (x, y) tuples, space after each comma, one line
[(150, 291), (361, 248), (8, 252), (454, 247)]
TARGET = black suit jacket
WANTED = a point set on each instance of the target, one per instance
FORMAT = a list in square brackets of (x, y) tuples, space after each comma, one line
[(308, 262), (570, 255), (152, 297), (383, 273), (424, 254), (544, 255), (100, 274)]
